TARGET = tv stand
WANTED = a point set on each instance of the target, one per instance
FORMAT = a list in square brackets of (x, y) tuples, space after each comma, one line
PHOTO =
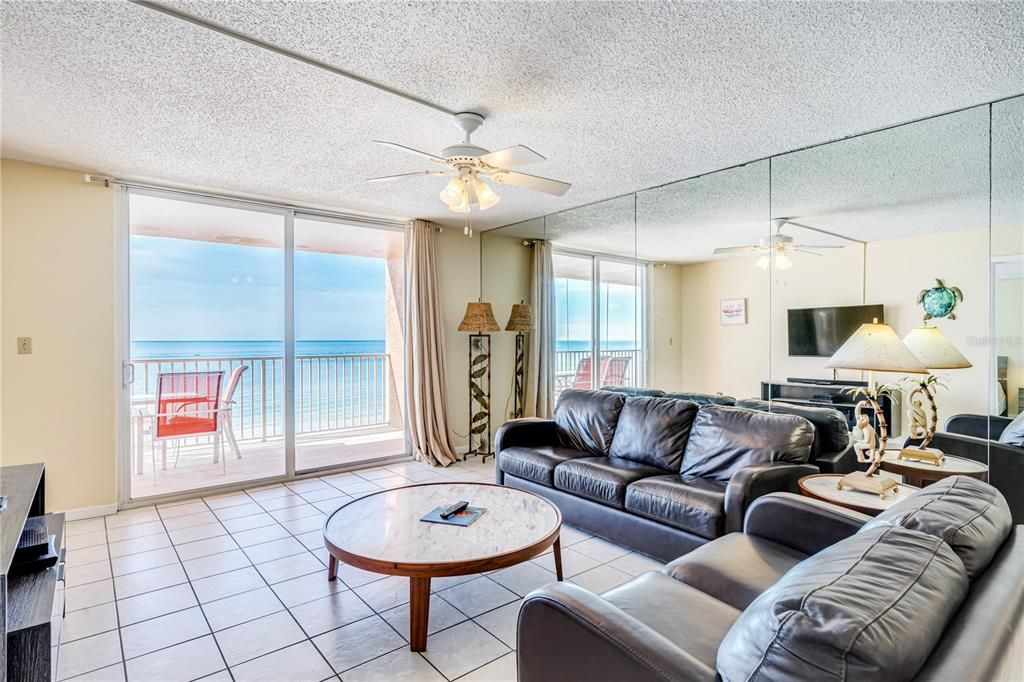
[(834, 394)]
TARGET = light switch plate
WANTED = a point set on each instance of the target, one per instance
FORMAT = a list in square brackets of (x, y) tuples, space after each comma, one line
[(24, 345)]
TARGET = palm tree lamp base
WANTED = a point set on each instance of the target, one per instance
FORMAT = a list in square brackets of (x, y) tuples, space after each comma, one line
[(858, 480), (928, 455)]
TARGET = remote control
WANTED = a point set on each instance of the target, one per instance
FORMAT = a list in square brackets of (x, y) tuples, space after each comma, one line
[(454, 509)]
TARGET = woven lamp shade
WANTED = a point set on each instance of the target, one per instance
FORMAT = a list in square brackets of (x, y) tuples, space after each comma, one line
[(521, 318), (934, 350), (876, 348), (479, 318)]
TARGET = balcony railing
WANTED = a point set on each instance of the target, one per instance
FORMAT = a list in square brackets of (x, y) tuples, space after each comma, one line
[(569, 369), (332, 392)]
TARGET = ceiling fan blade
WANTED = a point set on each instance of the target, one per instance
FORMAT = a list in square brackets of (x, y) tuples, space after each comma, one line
[(511, 157), (533, 182), (797, 249), (417, 152), (385, 178), (819, 246), (735, 249)]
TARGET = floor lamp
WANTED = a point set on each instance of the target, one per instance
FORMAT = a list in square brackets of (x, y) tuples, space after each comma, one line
[(520, 321), (479, 321)]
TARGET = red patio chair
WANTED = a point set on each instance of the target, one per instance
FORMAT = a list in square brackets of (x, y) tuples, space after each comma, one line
[(188, 405), (613, 370)]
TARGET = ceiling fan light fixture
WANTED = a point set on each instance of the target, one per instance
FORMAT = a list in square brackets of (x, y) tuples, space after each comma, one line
[(763, 262), (485, 196), (782, 261), (453, 192)]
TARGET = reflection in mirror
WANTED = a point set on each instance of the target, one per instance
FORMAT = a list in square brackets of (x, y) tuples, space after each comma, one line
[(704, 243)]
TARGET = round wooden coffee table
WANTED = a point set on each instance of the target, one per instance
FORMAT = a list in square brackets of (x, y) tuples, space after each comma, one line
[(382, 532), (823, 487), (922, 473)]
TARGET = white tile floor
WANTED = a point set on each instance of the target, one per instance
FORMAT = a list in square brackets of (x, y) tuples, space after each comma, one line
[(234, 587)]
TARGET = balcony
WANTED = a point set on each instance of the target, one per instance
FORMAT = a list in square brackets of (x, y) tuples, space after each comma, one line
[(346, 412), (573, 369)]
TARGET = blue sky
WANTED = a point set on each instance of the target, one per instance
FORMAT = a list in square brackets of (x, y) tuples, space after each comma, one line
[(184, 290), (573, 313)]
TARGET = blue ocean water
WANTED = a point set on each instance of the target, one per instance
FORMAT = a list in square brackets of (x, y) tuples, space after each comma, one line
[(156, 350)]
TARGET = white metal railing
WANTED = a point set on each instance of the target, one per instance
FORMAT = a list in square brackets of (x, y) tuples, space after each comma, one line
[(569, 364), (333, 392)]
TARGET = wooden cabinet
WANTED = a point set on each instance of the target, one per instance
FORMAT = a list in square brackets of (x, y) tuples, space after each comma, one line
[(32, 605)]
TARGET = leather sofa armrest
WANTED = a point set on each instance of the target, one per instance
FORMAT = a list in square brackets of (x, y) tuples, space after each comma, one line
[(840, 462), (1005, 465), (570, 634), (801, 523), (527, 432), (751, 482), (977, 425)]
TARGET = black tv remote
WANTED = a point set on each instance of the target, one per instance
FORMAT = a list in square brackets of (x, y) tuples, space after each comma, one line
[(454, 509)]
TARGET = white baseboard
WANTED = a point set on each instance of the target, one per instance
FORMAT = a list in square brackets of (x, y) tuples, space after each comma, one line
[(90, 512)]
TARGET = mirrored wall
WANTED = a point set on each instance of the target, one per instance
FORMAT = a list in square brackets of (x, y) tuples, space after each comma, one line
[(740, 285)]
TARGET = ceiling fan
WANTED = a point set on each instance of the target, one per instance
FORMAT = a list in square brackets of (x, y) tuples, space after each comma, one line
[(778, 245), (470, 164)]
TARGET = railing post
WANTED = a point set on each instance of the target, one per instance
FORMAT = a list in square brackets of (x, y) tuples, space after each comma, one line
[(263, 399)]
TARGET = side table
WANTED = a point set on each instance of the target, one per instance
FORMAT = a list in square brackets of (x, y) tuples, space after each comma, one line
[(823, 487)]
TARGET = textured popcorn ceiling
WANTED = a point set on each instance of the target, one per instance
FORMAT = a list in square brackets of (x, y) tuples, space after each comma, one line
[(618, 96)]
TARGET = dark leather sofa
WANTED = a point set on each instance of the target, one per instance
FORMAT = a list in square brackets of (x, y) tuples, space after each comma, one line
[(995, 441), (832, 451), (932, 590), (657, 474), (699, 398)]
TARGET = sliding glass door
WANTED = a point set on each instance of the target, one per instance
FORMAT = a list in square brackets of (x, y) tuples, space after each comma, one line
[(599, 314), (262, 343)]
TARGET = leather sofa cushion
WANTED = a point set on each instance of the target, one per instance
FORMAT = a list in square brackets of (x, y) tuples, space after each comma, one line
[(870, 607), (634, 390), (1013, 434), (693, 504), (536, 464), (586, 420), (969, 515), (703, 398), (831, 432), (690, 619), (602, 479), (736, 568), (653, 431), (724, 439)]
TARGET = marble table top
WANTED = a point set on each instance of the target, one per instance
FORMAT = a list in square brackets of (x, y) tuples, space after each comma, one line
[(823, 486), (386, 526), (950, 465)]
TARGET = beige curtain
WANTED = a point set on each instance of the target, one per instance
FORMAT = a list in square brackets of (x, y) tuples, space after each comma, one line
[(426, 395), (540, 367)]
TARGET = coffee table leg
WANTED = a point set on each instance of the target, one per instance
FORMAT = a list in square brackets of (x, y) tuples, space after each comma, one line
[(557, 550), (332, 568), (419, 613)]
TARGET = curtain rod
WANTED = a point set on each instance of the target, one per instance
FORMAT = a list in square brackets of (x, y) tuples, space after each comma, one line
[(315, 212), (270, 47)]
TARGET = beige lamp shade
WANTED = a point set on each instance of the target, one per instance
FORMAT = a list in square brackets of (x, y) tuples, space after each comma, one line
[(521, 318), (876, 347), (479, 318), (934, 350)]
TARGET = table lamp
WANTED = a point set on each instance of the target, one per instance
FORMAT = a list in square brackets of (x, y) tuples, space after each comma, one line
[(479, 321), (934, 350), (874, 347), (520, 320)]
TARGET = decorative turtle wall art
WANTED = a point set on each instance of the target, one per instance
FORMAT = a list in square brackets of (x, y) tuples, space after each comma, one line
[(940, 301)]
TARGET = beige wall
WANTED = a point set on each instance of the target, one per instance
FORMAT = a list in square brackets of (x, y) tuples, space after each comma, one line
[(506, 273), (665, 369), (58, 287), (458, 280)]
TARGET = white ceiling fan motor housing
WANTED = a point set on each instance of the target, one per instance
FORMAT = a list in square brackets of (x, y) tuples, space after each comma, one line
[(466, 151)]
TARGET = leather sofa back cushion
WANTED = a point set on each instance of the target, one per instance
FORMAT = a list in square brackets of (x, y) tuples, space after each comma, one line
[(831, 432), (654, 431), (586, 420), (1013, 434), (724, 439), (969, 515), (633, 390), (703, 398), (870, 607)]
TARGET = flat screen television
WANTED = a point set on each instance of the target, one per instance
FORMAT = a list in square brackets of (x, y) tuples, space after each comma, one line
[(819, 332)]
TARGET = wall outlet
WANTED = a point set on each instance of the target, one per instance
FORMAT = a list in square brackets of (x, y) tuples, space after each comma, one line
[(24, 345)]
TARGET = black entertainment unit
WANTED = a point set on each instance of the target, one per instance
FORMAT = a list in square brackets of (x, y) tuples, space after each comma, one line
[(832, 393), (31, 596)]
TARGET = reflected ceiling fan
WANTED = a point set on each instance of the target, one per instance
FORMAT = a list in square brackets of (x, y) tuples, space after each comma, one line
[(470, 164), (777, 246)]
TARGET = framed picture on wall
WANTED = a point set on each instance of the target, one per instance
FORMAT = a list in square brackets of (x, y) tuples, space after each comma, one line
[(733, 311)]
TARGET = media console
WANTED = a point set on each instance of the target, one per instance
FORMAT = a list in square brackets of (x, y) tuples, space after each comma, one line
[(31, 601), (835, 394)]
